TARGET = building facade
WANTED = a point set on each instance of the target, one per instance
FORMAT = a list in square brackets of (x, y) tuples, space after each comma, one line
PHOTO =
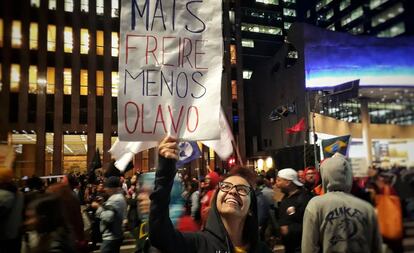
[(381, 18)]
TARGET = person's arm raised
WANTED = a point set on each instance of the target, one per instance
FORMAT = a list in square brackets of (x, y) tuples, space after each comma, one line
[(162, 233)]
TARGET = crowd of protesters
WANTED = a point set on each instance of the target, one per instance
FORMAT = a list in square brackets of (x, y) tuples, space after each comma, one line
[(305, 211)]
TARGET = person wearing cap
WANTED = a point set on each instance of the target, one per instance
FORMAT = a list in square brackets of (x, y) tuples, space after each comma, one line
[(338, 221), (111, 214), (291, 209)]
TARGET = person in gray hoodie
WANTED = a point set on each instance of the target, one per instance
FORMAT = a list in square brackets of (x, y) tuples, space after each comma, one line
[(338, 221), (111, 215)]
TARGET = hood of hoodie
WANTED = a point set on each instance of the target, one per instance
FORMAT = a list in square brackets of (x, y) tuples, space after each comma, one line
[(336, 173), (215, 225)]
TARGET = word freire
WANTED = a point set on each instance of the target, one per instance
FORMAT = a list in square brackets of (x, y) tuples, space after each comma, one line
[(165, 117), (166, 51), (157, 83), (159, 14)]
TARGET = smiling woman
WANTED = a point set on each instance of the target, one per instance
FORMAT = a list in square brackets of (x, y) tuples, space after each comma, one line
[(232, 220)]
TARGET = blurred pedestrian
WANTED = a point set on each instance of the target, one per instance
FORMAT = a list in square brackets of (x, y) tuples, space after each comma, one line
[(111, 214), (45, 216), (11, 213)]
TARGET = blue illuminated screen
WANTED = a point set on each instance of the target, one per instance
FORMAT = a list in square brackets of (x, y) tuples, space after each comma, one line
[(333, 58)]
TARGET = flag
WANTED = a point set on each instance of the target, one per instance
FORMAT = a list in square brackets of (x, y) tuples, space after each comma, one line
[(96, 162), (224, 146), (335, 145), (188, 151), (298, 127), (124, 151)]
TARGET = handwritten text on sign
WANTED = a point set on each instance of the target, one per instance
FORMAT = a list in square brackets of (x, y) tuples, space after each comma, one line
[(170, 69)]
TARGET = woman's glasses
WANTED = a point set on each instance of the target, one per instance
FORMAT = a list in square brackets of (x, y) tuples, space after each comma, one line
[(242, 190)]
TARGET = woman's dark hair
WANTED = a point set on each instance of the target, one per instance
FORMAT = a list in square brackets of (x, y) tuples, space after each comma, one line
[(251, 226), (49, 212), (248, 174)]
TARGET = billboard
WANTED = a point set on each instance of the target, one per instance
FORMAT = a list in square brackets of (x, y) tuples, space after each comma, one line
[(333, 58)]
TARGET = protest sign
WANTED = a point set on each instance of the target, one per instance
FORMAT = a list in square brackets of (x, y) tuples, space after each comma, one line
[(170, 67)]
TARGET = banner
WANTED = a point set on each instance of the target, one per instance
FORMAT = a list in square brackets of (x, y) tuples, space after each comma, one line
[(339, 144), (170, 67)]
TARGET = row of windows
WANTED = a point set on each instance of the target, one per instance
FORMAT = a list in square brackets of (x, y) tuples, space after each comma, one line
[(275, 2), (261, 29), (322, 3), (344, 4), (387, 15), (393, 31), (16, 38), (375, 3), (36, 82), (84, 6), (358, 12), (270, 16), (272, 2)]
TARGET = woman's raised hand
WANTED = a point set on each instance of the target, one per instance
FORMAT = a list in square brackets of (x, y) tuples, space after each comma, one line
[(168, 148)]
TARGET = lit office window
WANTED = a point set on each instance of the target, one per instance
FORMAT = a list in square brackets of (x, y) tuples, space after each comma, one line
[(115, 44), (68, 39), (247, 74), (331, 27), (247, 43), (84, 6), (99, 83), (14, 77), (286, 25), (388, 14), (51, 38), (233, 54), (375, 3), (357, 29), (99, 42), (84, 82), (35, 3), (234, 89), (52, 4), (322, 3), (99, 7), (329, 14), (67, 81), (1, 32), (115, 9), (50, 77), (393, 31), (273, 2), (231, 17), (261, 29), (69, 5), (344, 4), (33, 79), (358, 12), (16, 36), (289, 12), (84, 42), (33, 36), (115, 83)]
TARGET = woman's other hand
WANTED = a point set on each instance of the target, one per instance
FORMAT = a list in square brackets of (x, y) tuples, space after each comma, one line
[(168, 148)]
